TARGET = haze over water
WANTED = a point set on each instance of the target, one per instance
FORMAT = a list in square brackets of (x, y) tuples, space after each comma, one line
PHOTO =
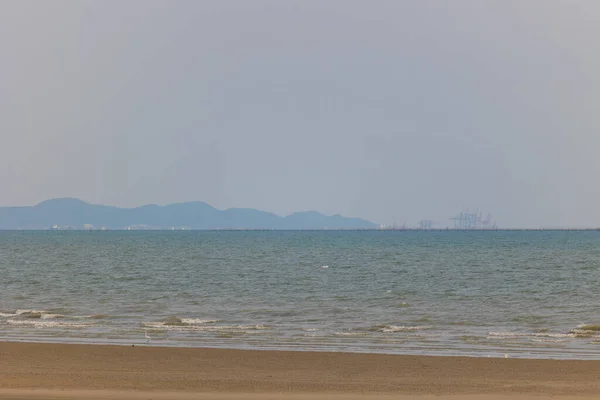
[(526, 294)]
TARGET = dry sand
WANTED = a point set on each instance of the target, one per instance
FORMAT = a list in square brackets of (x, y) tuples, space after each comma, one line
[(70, 371)]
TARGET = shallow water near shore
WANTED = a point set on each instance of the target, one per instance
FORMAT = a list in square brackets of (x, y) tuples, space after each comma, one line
[(524, 294)]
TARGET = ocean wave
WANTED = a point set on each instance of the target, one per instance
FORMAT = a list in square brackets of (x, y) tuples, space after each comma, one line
[(395, 328), (27, 314), (29, 311), (587, 327), (512, 335), (34, 314), (180, 322), (546, 340), (44, 314), (586, 331), (350, 333), (205, 327), (197, 321), (45, 324), (51, 316), (7, 315), (390, 328)]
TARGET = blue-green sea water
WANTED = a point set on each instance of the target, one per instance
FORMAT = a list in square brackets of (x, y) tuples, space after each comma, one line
[(524, 294)]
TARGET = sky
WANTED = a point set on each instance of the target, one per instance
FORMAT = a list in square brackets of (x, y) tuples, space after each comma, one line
[(378, 109)]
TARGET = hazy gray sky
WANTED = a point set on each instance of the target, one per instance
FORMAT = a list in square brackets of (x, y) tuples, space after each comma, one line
[(378, 109)]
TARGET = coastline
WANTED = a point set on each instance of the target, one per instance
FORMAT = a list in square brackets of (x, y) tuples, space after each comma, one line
[(41, 370)]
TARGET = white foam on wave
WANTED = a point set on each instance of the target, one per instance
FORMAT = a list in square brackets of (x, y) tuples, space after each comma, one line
[(515, 335), (197, 321), (176, 322), (396, 328), (39, 323), (553, 335), (29, 311), (52, 316), (8, 315), (205, 327), (32, 313), (547, 340)]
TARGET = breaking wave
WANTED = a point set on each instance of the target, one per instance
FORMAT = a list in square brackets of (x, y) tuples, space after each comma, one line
[(44, 314), (390, 328), (195, 324), (46, 324)]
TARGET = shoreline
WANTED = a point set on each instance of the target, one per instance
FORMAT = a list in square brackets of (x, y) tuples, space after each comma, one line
[(42, 370), (494, 353)]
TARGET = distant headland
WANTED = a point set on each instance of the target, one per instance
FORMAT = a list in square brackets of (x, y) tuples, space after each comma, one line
[(75, 214)]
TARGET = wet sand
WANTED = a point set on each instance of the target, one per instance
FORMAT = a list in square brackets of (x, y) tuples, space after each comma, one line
[(70, 371)]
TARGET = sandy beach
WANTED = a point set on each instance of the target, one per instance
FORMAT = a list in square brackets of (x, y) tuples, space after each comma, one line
[(67, 371)]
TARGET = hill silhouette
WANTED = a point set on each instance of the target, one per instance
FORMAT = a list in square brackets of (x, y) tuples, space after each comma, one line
[(68, 213)]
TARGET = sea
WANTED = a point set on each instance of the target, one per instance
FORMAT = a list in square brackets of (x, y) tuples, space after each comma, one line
[(518, 294)]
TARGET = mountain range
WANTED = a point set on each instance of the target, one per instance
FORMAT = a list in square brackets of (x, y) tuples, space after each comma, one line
[(68, 213)]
